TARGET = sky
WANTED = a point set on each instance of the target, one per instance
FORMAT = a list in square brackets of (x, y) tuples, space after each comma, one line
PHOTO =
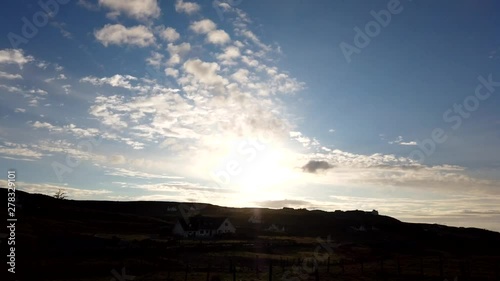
[(331, 105)]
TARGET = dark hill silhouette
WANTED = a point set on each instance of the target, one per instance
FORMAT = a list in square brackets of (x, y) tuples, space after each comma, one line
[(66, 233)]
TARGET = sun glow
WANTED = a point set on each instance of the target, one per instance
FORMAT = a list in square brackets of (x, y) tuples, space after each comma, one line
[(255, 170), (266, 176)]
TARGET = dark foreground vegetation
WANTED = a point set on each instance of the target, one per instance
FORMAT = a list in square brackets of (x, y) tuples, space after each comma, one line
[(95, 240)]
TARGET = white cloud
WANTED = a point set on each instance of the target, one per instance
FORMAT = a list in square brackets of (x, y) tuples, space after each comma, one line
[(177, 52), (305, 141), (230, 54), (249, 61), (186, 7), (12, 89), (33, 103), (180, 186), (66, 88), (250, 35), (42, 64), (118, 34), (18, 152), (88, 5), (218, 37), (102, 109), (204, 72), (399, 140), (14, 56), (61, 76), (122, 172), (181, 49), (45, 125), (62, 27), (203, 26), (209, 28), (51, 189), (137, 9), (241, 76), (116, 80), (389, 170), (174, 59), (9, 76), (169, 34), (155, 59), (172, 72), (69, 129)]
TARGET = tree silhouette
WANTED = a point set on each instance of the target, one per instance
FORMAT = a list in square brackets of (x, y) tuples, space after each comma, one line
[(60, 194)]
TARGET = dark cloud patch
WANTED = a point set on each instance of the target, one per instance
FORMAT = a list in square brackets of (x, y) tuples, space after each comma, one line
[(283, 203), (314, 165), (487, 212), (398, 167)]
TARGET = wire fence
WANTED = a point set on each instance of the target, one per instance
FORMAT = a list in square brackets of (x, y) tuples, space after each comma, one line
[(393, 268)]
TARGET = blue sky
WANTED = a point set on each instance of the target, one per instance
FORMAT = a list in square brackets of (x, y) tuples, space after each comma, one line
[(387, 105)]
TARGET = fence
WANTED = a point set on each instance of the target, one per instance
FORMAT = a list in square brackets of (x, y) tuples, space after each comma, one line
[(393, 268)]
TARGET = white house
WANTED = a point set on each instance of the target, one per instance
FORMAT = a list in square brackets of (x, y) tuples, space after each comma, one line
[(200, 226)]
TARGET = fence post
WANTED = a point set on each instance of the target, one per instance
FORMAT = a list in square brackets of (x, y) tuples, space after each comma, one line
[(421, 266), (257, 265), (399, 266), (270, 270), (498, 270), (462, 268), (441, 272), (468, 261), (208, 272)]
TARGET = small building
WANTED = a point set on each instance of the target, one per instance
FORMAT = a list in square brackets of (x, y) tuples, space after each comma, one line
[(255, 219), (275, 228), (375, 212), (361, 228), (203, 227)]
